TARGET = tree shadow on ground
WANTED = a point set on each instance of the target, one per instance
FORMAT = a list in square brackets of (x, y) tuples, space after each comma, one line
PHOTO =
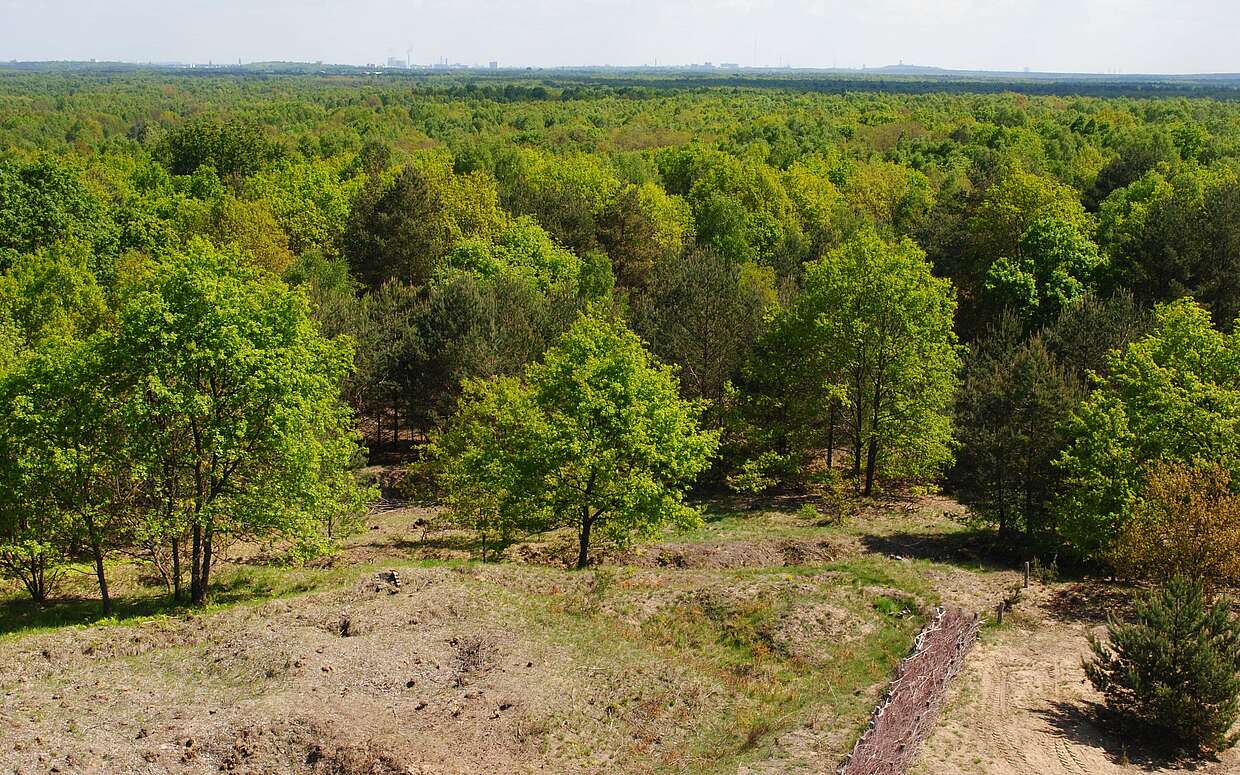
[(728, 505), (18, 614), (972, 548), (1090, 602), (1087, 725)]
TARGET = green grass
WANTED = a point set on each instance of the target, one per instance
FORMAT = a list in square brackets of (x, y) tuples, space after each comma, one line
[(707, 669), (760, 691), (729, 525), (230, 586)]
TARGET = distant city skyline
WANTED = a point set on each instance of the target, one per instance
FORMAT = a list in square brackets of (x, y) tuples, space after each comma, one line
[(1095, 36)]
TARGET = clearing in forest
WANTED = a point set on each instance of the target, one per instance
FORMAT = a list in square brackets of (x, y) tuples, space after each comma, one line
[(756, 644)]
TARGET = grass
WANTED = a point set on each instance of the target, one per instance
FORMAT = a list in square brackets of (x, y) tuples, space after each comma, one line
[(688, 656), (755, 689), (722, 523), (133, 600)]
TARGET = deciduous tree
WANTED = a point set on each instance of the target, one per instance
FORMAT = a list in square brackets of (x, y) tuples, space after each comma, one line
[(1185, 522), (236, 428), (595, 437), (882, 323), (1170, 396)]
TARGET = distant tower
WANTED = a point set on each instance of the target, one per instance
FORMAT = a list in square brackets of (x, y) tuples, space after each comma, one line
[(409, 57)]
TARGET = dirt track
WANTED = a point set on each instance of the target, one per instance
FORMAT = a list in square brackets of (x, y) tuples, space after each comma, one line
[(1022, 705)]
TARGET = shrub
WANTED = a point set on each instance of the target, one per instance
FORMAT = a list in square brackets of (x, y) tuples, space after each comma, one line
[(1186, 523), (758, 474), (1174, 673)]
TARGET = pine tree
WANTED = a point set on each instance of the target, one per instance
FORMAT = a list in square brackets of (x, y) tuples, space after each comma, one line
[(1174, 673)]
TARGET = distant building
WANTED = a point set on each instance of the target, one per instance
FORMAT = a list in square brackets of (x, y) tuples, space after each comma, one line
[(396, 62), (494, 65), (730, 65)]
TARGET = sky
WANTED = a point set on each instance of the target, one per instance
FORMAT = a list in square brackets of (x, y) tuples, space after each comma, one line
[(1103, 36)]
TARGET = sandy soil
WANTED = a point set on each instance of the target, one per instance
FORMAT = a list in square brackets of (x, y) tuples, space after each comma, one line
[(475, 669), (1023, 706), (272, 688), (482, 669)]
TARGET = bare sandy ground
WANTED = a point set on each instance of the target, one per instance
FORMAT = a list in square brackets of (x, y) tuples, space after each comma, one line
[(482, 670), (1022, 706)]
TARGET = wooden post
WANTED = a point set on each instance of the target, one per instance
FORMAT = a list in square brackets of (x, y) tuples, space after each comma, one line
[(1026, 574), (999, 613)]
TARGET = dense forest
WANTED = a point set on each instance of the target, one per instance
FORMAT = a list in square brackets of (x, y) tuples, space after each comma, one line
[(575, 305)]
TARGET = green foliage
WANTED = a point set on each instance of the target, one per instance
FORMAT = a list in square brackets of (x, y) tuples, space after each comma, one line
[(1014, 204), (632, 237), (236, 429), (567, 194), (892, 197), (234, 149), (1057, 264), (310, 201), (1012, 403), (1139, 150), (1177, 234), (63, 464), (402, 229), (523, 249), (1089, 328), (48, 294), (753, 235), (44, 202), (209, 410), (595, 437), (1172, 396), (874, 329), (1174, 672), (703, 313), (759, 474)]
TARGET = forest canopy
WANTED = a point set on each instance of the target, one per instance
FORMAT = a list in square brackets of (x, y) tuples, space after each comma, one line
[(220, 294)]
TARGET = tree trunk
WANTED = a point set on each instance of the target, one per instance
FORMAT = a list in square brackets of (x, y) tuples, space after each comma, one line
[(1001, 494), (583, 547), (871, 458), (831, 436), (207, 535), (33, 577), (37, 585), (858, 425), (856, 465), (871, 461), (96, 549), (857, 445), (1028, 488), (195, 567), (176, 569)]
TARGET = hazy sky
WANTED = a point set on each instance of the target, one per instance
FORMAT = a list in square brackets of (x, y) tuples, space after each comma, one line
[(1171, 36)]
